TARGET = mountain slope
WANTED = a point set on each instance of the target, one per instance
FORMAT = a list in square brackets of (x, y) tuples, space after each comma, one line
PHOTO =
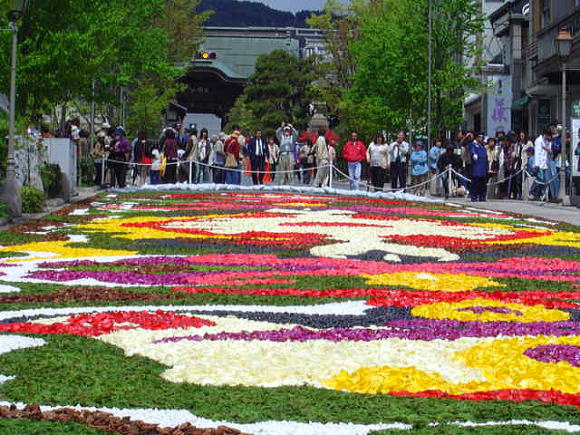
[(232, 13)]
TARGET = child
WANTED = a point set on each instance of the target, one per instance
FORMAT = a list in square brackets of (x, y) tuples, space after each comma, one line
[(155, 172)]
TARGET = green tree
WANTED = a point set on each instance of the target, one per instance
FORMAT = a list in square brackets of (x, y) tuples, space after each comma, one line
[(279, 90), (241, 116), (147, 101), (387, 88), (339, 25), (66, 45)]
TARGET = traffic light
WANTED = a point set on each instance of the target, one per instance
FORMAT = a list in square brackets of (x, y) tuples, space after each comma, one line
[(206, 55)]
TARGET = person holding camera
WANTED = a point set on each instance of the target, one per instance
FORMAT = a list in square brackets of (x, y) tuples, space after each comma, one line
[(287, 136)]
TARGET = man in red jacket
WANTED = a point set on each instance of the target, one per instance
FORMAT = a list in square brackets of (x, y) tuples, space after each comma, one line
[(355, 153)]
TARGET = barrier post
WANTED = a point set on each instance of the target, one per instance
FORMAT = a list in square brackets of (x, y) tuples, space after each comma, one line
[(190, 175), (449, 181), (103, 165), (330, 174)]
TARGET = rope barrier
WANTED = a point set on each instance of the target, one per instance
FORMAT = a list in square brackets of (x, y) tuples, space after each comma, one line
[(192, 162), (367, 185), (331, 166)]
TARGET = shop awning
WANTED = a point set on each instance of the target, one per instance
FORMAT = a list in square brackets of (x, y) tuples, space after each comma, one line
[(518, 104)]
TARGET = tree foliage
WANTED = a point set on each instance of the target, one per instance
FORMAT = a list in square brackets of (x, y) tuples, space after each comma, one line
[(65, 45), (279, 90), (380, 61)]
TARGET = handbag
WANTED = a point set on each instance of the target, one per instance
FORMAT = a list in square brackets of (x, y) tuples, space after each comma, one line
[(163, 165), (231, 161)]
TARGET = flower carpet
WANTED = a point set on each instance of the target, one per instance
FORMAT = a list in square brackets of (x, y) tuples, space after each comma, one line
[(282, 313)]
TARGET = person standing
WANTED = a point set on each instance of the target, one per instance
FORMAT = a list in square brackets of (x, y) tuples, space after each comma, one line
[(119, 152), (190, 164), (506, 167), (139, 157), (479, 169), (520, 160), (232, 164), (419, 169), (287, 136), (170, 148), (378, 158), (432, 158), (99, 155), (258, 152), (493, 170), (155, 171), (274, 156), (355, 153), (466, 158), (449, 159), (218, 158), (203, 151), (322, 156), (398, 151), (542, 150)]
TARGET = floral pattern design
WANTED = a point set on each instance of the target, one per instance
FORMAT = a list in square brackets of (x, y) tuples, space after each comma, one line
[(444, 296)]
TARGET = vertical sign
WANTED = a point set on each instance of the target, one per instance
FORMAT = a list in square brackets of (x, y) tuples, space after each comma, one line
[(499, 102), (575, 141)]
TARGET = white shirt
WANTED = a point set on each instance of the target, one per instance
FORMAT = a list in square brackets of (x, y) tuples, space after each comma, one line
[(540, 154), (400, 151), (259, 147)]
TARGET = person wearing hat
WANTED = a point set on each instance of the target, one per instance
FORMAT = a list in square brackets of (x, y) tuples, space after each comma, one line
[(322, 158), (287, 136), (99, 153), (232, 162), (419, 168), (119, 152), (479, 168)]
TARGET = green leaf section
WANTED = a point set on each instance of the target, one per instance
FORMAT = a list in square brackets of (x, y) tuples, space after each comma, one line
[(29, 427), (486, 430), (78, 370)]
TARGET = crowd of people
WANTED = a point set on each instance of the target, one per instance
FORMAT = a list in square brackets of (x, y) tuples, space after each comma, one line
[(473, 164)]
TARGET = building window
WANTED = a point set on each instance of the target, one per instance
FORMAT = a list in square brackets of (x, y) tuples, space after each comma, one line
[(546, 12)]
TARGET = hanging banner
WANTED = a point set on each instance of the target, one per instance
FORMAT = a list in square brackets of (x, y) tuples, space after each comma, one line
[(499, 102), (575, 136)]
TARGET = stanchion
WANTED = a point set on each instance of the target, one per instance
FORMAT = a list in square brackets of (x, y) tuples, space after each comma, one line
[(330, 176), (449, 181), (103, 166), (190, 176)]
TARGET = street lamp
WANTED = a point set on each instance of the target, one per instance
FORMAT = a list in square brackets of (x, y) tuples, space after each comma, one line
[(564, 47), (11, 190)]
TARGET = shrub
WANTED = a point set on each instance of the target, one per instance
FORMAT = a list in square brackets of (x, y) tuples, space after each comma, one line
[(87, 169), (51, 179), (32, 199)]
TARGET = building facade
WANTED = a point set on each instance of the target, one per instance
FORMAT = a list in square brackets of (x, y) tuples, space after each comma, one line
[(528, 30), (215, 80)]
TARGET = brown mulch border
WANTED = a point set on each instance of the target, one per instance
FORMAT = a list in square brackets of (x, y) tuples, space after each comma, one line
[(107, 422)]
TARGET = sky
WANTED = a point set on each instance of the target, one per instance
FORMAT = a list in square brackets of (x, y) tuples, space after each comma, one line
[(294, 5)]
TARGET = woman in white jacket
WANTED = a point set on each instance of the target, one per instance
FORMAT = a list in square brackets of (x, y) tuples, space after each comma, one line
[(378, 157)]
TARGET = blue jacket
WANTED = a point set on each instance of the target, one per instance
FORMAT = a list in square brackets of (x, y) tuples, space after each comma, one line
[(251, 150), (478, 155), (419, 163), (434, 154)]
